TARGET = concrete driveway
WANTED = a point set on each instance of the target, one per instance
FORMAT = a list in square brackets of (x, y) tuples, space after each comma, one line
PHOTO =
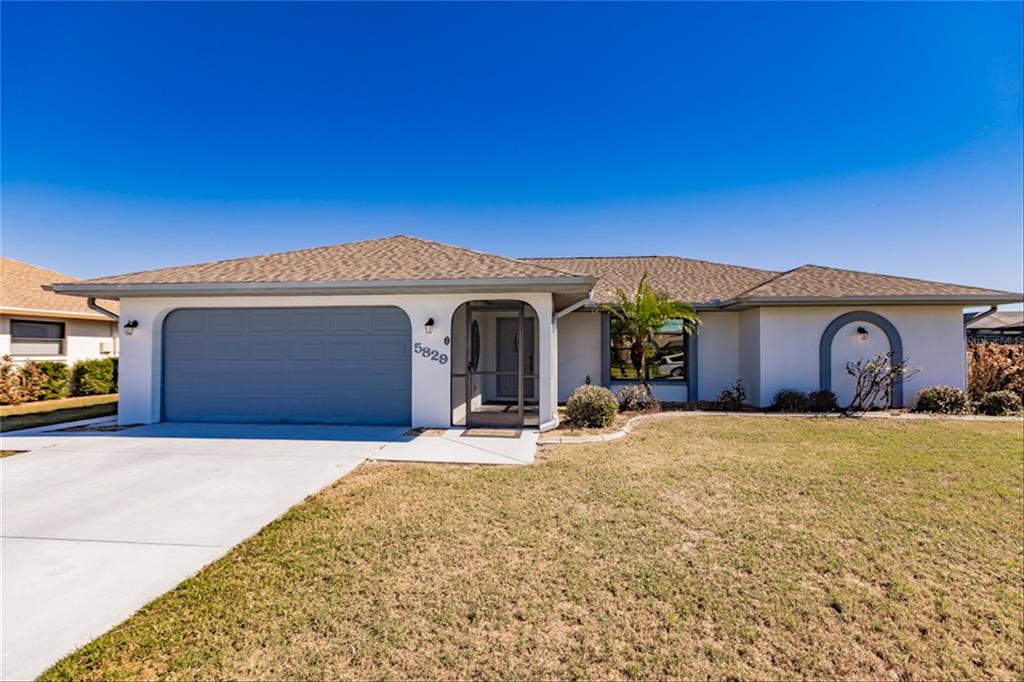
[(96, 525)]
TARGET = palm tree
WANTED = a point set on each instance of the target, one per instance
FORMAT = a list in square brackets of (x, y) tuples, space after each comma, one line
[(637, 318)]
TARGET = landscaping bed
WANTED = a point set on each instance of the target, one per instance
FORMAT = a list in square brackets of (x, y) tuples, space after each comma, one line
[(722, 547), (46, 412)]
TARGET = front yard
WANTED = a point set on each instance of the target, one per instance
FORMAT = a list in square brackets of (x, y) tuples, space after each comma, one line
[(718, 546)]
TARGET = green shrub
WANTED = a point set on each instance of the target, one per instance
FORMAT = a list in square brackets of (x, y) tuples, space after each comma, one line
[(998, 403), (591, 406), (94, 377), (732, 399), (637, 398), (790, 400), (57, 383), (942, 400), (822, 400)]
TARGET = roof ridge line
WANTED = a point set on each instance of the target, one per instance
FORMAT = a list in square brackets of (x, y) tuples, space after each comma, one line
[(912, 279), (490, 255), (669, 256), (777, 276)]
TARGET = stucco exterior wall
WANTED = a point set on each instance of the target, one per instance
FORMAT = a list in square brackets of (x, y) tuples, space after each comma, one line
[(579, 352), (718, 353), (83, 339), (749, 347), (140, 372), (933, 339)]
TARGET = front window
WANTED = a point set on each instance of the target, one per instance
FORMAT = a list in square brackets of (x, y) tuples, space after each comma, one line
[(37, 338), (666, 360)]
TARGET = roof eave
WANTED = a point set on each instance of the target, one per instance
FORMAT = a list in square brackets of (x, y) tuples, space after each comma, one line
[(568, 284)]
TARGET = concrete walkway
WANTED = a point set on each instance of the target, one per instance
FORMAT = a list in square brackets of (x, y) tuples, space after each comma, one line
[(458, 446)]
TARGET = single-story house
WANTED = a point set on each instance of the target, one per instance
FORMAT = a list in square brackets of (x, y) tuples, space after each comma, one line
[(37, 324), (407, 331)]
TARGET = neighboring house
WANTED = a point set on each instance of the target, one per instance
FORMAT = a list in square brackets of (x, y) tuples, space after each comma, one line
[(407, 331), (1001, 327), (36, 324)]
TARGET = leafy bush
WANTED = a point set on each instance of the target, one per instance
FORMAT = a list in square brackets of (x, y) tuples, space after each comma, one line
[(591, 406), (790, 400), (637, 399), (57, 381), (94, 377), (995, 367), (20, 384), (942, 400), (732, 399), (998, 403), (822, 400)]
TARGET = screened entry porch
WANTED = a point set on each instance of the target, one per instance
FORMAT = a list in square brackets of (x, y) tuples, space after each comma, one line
[(494, 365)]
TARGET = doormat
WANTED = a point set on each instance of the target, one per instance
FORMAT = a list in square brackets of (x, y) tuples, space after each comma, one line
[(430, 433), (491, 433)]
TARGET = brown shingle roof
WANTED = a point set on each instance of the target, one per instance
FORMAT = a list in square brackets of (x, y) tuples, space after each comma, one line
[(684, 279), (21, 287), (398, 258), (816, 281)]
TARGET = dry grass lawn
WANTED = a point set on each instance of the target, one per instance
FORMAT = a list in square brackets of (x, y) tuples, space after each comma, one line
[(46, 412), (699, 547)]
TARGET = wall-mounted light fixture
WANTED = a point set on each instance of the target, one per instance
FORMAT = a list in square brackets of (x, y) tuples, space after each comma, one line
[(862, 333), (130, 326), (429, 326)]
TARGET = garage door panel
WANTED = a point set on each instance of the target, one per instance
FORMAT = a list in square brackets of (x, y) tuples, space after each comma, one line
[(317, 365), (312, 320), (351, 321), (391, 319)]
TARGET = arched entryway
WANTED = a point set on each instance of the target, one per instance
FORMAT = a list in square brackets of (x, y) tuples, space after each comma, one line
[(494, 364), (869, 322)]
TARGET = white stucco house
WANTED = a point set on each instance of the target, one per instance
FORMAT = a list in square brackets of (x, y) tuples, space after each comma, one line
[(406, 331), (36, 324)]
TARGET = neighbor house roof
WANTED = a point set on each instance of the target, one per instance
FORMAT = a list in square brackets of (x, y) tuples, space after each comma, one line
[(684, 279), (399, 261), (1006, 319), (21, 290)]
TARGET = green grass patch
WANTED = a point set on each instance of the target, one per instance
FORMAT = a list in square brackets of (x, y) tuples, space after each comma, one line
[(44, 413), (703, 547)]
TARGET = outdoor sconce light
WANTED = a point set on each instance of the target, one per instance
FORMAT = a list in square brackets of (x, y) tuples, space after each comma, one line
[(429, 327), (129, 327), (862, 333)]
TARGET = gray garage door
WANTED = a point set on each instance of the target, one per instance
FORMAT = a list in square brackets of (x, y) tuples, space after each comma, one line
[(288, 365)]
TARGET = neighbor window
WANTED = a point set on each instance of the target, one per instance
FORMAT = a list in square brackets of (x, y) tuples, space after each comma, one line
[(37, 338), (666, 361)]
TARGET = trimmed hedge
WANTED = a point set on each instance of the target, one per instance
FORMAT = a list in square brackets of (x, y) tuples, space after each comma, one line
[(94, 377), (791, 400), (943, 400), (637, 399), (999, 403), (591, 406), (822, 400), (57, 383)]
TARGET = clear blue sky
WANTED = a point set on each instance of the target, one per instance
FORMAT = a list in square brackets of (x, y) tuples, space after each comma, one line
[(872, 136)]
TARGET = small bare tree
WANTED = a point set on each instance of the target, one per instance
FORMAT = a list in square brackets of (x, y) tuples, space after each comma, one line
[(875, 378)]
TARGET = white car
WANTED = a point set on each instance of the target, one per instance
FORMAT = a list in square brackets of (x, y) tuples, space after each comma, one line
[(672, 365)]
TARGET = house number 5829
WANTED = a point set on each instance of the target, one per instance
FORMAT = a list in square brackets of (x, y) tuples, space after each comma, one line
[(430, 353)]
